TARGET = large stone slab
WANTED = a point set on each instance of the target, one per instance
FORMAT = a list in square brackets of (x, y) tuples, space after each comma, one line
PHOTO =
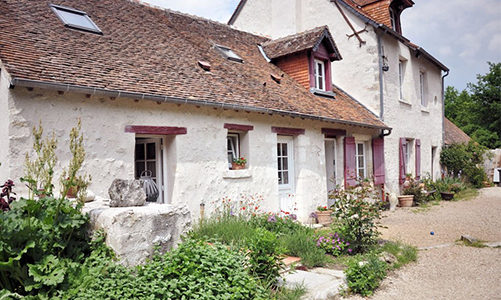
[(126, 193), (320, 283), (133, 232)]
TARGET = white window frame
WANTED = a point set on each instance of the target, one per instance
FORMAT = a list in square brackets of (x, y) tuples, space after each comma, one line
[(401, 77), (363, 155), (422, 90), (393, 19), (160, 163), (92, 26), (408, 154), (320, 75), (234, 149)]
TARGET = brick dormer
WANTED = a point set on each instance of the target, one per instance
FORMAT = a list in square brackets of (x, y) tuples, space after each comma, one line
[(386, 12), (306, 57)]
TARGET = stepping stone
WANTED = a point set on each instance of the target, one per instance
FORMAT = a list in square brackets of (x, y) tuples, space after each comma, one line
[(320, 283)]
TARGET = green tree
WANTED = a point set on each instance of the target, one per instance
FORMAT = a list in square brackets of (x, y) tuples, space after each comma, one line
[(477, 110)]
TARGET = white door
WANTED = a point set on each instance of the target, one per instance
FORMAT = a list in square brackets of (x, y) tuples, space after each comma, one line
[(330, 163), (285, 161), (148, 157)]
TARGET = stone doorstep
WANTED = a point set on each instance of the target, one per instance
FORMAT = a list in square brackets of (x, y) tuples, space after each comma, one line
[(289, 260), (320, 283)]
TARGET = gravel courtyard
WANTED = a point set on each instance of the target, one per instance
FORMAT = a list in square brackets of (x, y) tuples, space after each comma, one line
[(447, 271)]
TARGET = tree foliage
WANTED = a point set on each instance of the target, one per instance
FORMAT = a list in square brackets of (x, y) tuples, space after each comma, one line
[(477, 110)]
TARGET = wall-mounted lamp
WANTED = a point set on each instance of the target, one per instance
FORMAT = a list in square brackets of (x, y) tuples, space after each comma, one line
[(385, 66)]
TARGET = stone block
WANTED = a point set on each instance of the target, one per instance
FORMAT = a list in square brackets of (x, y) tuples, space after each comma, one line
[(126, 193), (133, 232)]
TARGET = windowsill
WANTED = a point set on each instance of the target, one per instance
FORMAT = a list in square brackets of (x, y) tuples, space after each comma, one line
[(425, 109), (237, 174), (327, 94), (404, 102)]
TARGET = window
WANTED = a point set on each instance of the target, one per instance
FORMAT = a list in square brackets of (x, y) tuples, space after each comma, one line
[(233, 147), (229, 54), (407, 156), (360, 156), (401, 73), (148, 157), (422, 91), (319, 75), (75, 19)]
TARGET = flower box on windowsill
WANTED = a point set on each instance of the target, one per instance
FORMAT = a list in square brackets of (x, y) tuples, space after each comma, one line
[(235, 166)]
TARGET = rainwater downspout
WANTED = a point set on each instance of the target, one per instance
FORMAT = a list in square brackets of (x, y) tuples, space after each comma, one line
[(443, 106), (381, 96)]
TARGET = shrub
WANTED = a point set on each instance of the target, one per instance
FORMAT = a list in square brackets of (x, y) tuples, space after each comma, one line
[(264, 254), (196, 270), (415, 188), (333, 244), (364, 275), (357, 213), (404, 253), (302, 243), (467, 160), (278, 224)]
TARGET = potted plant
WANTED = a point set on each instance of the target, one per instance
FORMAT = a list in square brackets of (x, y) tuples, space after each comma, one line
[(238, 163), (447, 187), (411, 188), (324, 215)]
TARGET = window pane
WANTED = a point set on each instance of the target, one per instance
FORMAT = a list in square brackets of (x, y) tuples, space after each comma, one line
[(284, 149), (360, 149), (361, 173), (360, 161), (278, 150), (279, 161), (280, 178), (76, 19), (286, 166), (286, 177), (150, 151), (152, 166), (139, 151), (139, 168)]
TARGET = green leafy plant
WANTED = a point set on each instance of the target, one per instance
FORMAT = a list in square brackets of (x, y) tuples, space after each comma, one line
[(415, 188), (264, 255), (357, 211), (301, 243), (364, 274), (333, 244), (241, 161), (322, 208)]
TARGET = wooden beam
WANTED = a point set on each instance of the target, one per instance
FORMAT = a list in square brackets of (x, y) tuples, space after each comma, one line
[(333, 132), (158, 130), (238, 127), (287, 130)]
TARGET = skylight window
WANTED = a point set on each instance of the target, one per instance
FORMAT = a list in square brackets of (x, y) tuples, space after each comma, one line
[(76, 19), (229, 54)]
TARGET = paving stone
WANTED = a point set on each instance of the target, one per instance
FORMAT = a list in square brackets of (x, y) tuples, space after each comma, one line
[(320, 283)]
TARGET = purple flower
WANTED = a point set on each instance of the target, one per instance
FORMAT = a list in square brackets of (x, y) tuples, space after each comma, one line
[(313, 215), (349, 250), (293, 217), (272, 219)]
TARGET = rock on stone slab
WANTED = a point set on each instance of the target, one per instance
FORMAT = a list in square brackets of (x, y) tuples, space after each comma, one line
[(469, 239), (387, 258), (126, 193)]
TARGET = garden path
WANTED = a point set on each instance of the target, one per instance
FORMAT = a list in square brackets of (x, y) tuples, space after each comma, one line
[(451, 271)]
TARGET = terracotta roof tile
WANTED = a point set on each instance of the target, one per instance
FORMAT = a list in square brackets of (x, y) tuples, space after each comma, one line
[(453, 134), (299, 42), (155, 52)]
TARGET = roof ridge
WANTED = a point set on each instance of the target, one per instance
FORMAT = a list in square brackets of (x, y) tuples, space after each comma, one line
[(281, 39)]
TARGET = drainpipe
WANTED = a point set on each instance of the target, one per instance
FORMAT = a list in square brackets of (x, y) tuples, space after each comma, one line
[(381, 96), (443, 106)]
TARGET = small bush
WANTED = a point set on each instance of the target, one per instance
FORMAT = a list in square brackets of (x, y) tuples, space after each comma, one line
[(467, 160), (364, 276), (302, 243), (357, 211), (404, 253), (278, 224)]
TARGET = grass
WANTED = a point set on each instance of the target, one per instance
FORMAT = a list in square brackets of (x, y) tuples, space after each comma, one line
[(475, 244), (466, 195), (404, 253), (291, 294), (425, 207)]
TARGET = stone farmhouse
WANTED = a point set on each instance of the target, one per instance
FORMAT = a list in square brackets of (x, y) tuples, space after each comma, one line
[(183, 96), (394, 78)]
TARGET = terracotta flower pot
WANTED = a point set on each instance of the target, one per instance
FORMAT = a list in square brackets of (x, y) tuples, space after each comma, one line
[(324, 217), (405, 200), (447, 196), (235, 166)]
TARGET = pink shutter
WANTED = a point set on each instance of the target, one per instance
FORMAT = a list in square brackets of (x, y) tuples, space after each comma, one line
[(378, 159), (350, 164), (401, 165), (418, 159)]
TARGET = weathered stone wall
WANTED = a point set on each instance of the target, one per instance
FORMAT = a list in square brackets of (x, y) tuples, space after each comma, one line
[(134, 232), (197, 168), (4, 126), (492, 162)]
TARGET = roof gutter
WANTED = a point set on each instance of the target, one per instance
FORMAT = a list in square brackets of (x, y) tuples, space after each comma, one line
[(176, 100)]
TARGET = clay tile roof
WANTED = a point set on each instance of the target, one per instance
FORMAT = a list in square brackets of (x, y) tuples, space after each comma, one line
[(453, 134), (153, 53), (298, 42), (364, 2)]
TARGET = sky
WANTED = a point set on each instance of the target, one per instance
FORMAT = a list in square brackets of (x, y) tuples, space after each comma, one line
[(462, 34)]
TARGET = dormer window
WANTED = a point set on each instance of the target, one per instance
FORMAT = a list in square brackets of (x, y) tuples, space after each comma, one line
[(319, 75), (393, 20), (75, 19)]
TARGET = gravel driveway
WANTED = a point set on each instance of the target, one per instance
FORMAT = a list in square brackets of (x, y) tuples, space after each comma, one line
[(452, 271)]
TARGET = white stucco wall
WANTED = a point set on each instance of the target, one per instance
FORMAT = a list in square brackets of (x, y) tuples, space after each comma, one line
[(4, 126), (196, 162), (358, 74)]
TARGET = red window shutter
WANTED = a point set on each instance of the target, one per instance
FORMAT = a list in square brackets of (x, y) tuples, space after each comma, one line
[(418, 159), (378, 159), (350, 164), (401, 165)]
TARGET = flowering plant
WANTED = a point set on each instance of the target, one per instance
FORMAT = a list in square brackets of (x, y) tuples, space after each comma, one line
[(322, 208), (245, 206), (333, 244), (241, 161), (6, 197)]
